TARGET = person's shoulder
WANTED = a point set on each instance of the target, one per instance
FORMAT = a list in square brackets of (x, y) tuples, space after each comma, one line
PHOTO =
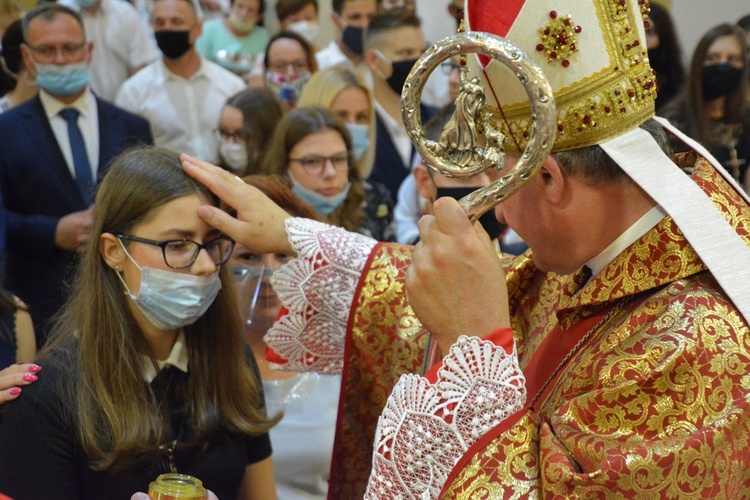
[(59, 373), (211, 27), (144, 76), (116, 110), (261, 32), (222, 76), (378, 201), (141, 83), (10, 118)]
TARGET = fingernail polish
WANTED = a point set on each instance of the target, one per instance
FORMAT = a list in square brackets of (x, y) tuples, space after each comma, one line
[(15, 391), (30, 377), (35, 368)]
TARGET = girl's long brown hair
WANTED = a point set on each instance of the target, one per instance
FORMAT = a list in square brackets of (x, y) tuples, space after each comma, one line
[(119, 420)]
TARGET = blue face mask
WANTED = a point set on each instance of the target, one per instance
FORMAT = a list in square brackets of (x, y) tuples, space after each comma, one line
[(323, 205), (360, 138), (62, 80), (170, 300)]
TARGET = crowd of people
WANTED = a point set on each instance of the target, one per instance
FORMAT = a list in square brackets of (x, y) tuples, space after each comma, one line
[(140, 333)]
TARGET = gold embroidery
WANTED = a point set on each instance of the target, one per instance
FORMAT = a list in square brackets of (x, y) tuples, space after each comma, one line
[(657, 404), (602, 105)]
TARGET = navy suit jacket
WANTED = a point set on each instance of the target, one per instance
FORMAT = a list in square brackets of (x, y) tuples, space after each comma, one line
[(389, 168), (38, 189)]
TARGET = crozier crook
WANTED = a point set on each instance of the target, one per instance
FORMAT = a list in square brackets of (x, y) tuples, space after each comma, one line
[(469, 143)]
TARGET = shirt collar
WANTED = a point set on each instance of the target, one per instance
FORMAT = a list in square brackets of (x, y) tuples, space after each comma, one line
[(85, 103), (392, 125), (178, 357), (165, 74), (638, 229)]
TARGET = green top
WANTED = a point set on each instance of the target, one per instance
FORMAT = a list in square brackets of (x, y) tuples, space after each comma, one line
[(237, 54)]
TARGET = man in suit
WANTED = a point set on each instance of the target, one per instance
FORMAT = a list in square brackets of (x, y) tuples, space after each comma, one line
[(54, 148), (393, 43)]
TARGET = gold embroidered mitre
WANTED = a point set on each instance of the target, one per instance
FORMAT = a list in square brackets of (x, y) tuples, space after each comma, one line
[(593, 53)]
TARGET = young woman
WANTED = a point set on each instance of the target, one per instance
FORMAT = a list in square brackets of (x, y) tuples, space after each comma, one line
[(341, 91), (237, 41), (303, 439), (715, 109), (245, 129), (312, 150), (146, 372)]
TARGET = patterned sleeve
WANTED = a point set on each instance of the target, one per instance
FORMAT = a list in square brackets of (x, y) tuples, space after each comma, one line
[(426, 428), (317, 288)]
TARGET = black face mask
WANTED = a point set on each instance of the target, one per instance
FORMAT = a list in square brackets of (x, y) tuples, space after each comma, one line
[(401, 70), (353, 39), (720, 80), (489, 222), (173, 44)]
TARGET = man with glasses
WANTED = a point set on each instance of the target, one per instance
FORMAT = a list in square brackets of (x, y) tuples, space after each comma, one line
[(54, 148), (181, 94)]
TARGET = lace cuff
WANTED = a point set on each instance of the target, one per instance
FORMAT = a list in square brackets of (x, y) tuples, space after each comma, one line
[(317, 288), (425, 429)]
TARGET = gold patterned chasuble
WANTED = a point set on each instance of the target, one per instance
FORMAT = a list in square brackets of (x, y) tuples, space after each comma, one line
[(654, 405)]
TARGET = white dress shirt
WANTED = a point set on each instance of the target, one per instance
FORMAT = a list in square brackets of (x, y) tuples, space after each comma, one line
[(88, 122), (398, 134), (178, 357), (332, 55), (121, 43), (183, 113)]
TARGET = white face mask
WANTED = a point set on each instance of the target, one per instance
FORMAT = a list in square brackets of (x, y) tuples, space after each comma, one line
[(234, 154), (172, 300), (306, 29)]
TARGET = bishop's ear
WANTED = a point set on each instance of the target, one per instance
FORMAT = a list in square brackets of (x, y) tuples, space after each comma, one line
[(553, 179)]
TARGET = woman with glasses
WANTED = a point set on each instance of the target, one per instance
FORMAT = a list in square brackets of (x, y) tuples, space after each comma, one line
[(312, 150), (287, 65), (343, 92), (247, 122), (146, 372), (303, 439)]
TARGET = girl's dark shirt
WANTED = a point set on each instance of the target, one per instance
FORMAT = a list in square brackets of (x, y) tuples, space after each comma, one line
[(41, 455)]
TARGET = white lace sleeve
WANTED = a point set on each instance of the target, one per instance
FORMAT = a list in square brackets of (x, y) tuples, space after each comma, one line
[(317, 288), (425, 429)]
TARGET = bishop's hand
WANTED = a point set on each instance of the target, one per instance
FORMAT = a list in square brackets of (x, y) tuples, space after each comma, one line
[(259, 224), (456, 283)]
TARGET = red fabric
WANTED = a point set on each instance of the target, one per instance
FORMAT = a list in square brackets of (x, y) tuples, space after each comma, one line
[(502, 337), (486, 16), (271, 355), (556, 345)]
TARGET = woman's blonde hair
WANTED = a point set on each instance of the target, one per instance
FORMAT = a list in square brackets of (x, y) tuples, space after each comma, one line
[(323, 88), (120, 420)]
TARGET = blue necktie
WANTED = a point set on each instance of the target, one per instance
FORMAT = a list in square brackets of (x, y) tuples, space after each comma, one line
[(80, 157)]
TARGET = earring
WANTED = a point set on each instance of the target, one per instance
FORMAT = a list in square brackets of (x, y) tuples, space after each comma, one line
[(117, 268)]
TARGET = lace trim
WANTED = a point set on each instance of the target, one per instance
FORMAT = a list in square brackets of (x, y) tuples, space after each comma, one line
[(318, 288), (425, 429)]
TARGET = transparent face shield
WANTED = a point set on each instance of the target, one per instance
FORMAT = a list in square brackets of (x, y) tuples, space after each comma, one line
[(258, 303)]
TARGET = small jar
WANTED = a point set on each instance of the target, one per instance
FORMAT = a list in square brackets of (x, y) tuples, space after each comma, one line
[(174, 486)]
